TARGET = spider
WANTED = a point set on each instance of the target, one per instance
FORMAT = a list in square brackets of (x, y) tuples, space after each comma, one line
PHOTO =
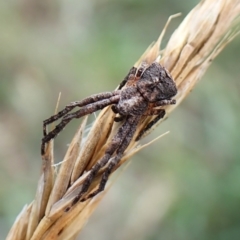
[(138, 95)]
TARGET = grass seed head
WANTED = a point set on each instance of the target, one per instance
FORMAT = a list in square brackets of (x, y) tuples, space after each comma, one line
[(201, 36)]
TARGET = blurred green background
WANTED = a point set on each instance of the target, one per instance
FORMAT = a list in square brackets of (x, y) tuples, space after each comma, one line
[(186, 185)]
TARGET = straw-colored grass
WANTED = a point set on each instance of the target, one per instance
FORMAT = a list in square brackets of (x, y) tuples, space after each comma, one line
[(202, 35)]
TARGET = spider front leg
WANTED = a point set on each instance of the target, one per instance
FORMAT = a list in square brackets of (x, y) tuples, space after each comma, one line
[(72, 105), (80, 113)]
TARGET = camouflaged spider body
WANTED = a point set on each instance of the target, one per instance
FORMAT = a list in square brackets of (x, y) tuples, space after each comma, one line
[(138, 95)]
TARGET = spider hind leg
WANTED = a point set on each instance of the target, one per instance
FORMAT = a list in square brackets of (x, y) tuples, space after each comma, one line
[(129, 130), (114, 145)]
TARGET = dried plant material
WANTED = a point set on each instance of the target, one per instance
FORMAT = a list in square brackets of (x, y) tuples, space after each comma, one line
[(205, 31), (64, 174)]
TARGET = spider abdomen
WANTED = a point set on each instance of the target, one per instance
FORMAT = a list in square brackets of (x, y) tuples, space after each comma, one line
[(156, 84)]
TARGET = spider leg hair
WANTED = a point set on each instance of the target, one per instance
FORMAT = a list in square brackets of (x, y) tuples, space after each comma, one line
[(119, 143), (72, 105), (88, 109)]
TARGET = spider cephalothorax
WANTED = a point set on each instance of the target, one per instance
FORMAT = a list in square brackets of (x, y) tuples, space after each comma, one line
[(138, 95)]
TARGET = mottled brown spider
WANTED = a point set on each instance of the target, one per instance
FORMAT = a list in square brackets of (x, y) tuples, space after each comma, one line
[(138, 95)]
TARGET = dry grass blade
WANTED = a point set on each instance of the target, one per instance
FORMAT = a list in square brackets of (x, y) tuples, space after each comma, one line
[(205, 31)]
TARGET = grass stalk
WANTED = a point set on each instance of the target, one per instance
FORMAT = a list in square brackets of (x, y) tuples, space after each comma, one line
[(201, 36)]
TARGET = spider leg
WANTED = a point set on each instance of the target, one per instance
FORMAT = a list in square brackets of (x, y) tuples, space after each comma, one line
[(114, 108), (124, 81), (114, 145), (154, 111), (165, 102), (132, 122), (116, 111), (72, 105), (119, 119), (80, 113), (160, 115)]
